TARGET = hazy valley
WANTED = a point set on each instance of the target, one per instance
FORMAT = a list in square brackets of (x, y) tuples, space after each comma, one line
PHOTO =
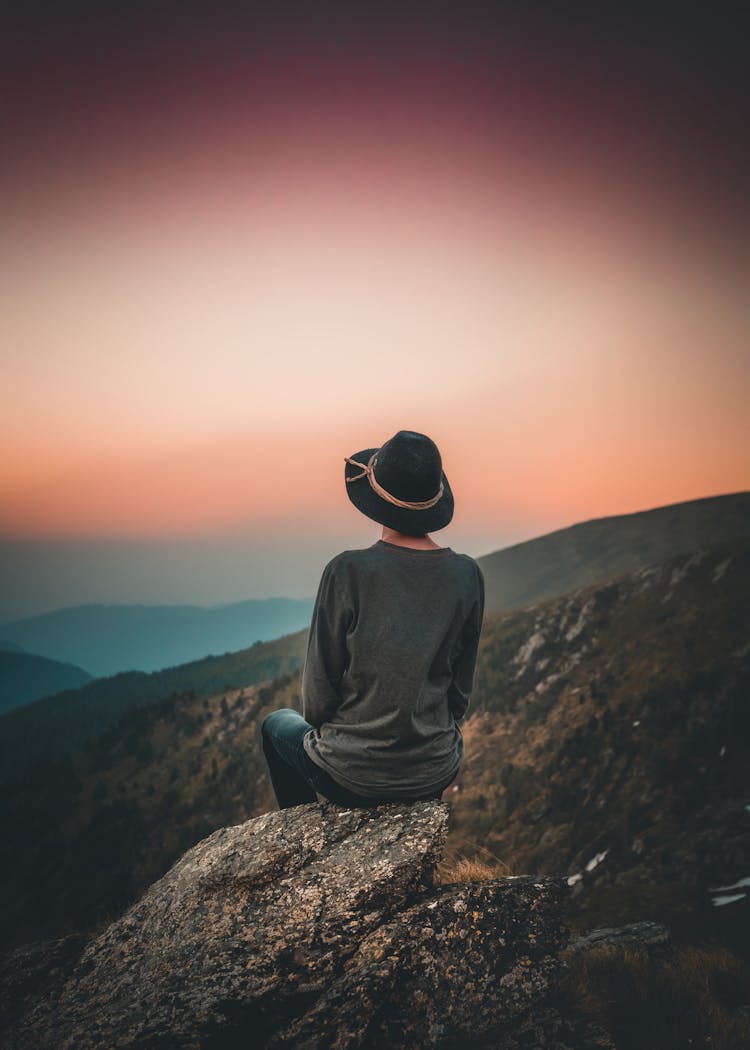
[(111, 639)]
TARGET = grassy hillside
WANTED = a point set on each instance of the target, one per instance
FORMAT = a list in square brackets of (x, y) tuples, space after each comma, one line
[(88, 835), (612, 721), (610, 740), (25, 677), (62, 725), (605, 548)]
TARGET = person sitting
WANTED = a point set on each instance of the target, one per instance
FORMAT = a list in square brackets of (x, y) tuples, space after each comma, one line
[(392, 647)]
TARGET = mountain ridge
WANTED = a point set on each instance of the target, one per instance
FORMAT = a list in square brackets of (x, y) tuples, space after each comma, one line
[(64, 723), (603, 548), (110, 639), (25, 677)]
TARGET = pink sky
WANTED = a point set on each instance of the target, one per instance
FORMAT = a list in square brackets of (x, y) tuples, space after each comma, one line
[(208, 298)]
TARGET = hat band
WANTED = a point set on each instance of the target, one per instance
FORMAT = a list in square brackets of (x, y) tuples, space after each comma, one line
[(369, 473)]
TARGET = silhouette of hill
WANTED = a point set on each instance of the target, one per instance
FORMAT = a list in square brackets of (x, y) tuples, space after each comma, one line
[(110, 639), (608, 740), (25, 677), (605, 548), (64, 724)]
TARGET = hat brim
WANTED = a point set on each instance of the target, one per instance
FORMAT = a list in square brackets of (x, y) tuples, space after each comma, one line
[(402, 519)]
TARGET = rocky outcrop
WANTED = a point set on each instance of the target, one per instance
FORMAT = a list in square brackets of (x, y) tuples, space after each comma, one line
[(653, 938), (313, 927)]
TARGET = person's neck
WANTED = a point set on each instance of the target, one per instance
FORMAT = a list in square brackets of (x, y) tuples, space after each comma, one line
[(402, 539)]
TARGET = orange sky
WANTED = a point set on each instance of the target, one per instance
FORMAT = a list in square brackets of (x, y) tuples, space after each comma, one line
[(171, 363), (201, 317)]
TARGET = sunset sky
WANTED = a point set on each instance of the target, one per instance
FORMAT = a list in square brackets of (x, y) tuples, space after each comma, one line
[(237, 248)]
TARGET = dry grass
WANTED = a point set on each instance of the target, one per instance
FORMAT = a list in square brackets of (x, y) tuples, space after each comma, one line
[(477, 864), (456, 867), (700, 997)]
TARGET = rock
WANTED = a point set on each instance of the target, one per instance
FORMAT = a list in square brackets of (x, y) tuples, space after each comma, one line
[(553, 1023), (547, 1027), (460, 963), (651, 937), (312, 927), (22, 972)]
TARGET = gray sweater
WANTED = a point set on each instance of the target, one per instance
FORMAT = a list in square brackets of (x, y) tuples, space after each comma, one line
[(389, 667)]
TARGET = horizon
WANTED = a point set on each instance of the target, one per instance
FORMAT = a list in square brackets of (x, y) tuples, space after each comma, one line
[(105, 573)]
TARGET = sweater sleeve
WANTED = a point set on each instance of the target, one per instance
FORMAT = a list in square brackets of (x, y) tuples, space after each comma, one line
[(465, 664), (327, 656)]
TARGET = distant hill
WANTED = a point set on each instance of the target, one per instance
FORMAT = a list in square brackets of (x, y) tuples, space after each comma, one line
[(605, 548), (25, 677), (109, 639), (64, 724), (608, 739)]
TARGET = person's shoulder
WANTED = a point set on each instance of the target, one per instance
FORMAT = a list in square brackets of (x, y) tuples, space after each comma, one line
[(346, 570), (471, 572), (341, 561), (470, 564)]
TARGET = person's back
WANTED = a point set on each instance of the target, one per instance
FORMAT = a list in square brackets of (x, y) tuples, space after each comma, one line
[(389, 667), (392, 647)]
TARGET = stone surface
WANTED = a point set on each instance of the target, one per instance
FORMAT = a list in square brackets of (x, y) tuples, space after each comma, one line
[(652, 937), (463, 961), (23, 972), (547, 1029), (313, 927)]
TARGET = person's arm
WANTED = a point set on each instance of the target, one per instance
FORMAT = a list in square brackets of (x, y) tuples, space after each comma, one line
[(327, 657), (463, 675)]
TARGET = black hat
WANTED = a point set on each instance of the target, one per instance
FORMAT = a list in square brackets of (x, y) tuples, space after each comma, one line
[(401, 484)]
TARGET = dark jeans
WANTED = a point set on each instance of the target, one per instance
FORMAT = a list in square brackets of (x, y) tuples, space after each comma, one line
[(295, 777)]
